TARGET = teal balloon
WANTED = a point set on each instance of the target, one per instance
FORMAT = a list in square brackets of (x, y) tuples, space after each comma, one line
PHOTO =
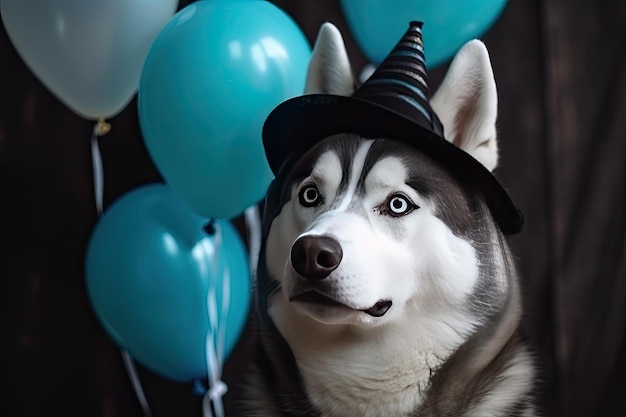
[(210, 79), (150, 266), (89, 53), (448, 24)]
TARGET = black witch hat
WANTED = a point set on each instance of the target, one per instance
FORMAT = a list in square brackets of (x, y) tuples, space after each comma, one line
[(394, 104)]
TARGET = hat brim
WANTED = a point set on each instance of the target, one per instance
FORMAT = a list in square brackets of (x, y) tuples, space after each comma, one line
[(297, 124)]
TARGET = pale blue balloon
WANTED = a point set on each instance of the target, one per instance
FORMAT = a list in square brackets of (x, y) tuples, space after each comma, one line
[(211, 78), (89, 53), (149, 268), (377, 25)]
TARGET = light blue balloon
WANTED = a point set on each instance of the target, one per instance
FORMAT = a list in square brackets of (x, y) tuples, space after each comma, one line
[(149, 268), (212, 76), (89, 53), (377, 25)]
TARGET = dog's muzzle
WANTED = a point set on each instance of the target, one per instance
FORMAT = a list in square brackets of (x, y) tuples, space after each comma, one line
[(314, 258)]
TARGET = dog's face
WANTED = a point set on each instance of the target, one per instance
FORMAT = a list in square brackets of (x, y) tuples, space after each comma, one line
[(371, 228)]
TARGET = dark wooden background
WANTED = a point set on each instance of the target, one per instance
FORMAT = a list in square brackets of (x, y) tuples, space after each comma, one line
[(560, 66)]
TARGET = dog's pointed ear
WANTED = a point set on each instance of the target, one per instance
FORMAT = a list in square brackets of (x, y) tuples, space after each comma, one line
[(467, 104), (329, 69)]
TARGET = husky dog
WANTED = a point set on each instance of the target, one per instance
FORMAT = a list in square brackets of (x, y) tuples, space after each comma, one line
[(386, 286)]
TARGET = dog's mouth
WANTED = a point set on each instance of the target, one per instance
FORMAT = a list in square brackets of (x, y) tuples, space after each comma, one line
[(314, 297), (379, 309)]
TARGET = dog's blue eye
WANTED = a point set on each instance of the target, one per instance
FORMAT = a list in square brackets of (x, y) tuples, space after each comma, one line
[(309, 196), (398, 205)]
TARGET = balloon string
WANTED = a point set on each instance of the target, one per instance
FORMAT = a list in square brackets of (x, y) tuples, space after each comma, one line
[(212, 405), (221, 335), (101, 128), (136, 383), (98, 171), (217, 388)]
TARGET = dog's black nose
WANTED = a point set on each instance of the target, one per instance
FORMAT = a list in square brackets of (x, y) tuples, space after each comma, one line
[(315, 257)]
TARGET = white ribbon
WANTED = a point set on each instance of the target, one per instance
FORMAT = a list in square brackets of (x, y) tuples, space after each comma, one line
[(98, 171), (129, 364), (101, 128), (212, 405)]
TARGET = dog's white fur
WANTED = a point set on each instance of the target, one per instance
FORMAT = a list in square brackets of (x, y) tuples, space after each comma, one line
[(353, 364)]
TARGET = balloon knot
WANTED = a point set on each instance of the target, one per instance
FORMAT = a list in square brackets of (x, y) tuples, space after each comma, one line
[(198, 388), (214, 393), (209, 228), (102, 127), (217, 391)]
